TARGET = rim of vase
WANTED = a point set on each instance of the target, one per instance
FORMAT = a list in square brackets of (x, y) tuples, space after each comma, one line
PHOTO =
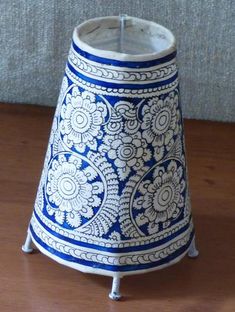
[(92, 30)]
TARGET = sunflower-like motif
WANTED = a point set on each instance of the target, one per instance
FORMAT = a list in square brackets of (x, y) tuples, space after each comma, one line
[(82, 118), (160, 117), (161, 198), (128, 152), (71, 192)]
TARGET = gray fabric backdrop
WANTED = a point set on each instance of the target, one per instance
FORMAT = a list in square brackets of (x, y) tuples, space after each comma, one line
[(35, 38)]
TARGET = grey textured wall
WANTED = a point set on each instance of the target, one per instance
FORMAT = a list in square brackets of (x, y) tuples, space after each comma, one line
[(35, 38)]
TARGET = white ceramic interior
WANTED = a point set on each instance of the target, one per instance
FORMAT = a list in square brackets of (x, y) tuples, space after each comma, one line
[(124, 38)]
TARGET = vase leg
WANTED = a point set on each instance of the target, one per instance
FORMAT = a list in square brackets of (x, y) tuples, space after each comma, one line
[(27, 247), (193, 252), (115, 294)]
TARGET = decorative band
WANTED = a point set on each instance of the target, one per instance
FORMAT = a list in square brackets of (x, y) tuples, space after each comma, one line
[(113, 84), (147, 245), (144, 64), (128, 93), (119, 263), (115, 74)]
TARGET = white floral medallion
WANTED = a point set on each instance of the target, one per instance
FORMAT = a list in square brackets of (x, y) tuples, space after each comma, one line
[(113, 196), (71, 191), (161, 198)]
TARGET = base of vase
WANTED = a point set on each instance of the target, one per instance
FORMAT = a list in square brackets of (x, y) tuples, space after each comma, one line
[(114, 294), (99, 271)]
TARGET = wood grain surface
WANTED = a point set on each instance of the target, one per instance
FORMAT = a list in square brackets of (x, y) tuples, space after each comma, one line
[(36, 283)]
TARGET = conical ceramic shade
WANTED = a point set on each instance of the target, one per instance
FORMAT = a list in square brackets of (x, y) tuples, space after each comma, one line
[(113, 197)]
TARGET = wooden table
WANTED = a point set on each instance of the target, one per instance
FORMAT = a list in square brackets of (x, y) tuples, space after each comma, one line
[(36, 283)]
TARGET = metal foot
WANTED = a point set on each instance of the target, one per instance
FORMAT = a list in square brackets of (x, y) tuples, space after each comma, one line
[(193, 252), (115, 294), (27, 247)]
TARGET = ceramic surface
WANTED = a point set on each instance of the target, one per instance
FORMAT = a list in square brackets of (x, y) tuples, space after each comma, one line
[(113, 197)]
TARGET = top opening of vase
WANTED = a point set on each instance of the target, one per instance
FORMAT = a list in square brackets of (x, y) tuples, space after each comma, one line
[(124, 37)]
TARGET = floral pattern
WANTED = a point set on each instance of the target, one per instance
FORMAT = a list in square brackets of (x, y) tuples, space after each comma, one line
[(114, 179), (131, 136), (71, 193), (123, 142), (160, 122), (162, 198), (128, 152), (82, 118)]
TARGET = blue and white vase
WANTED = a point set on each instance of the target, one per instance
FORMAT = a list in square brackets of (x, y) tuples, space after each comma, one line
[(113, 197)]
